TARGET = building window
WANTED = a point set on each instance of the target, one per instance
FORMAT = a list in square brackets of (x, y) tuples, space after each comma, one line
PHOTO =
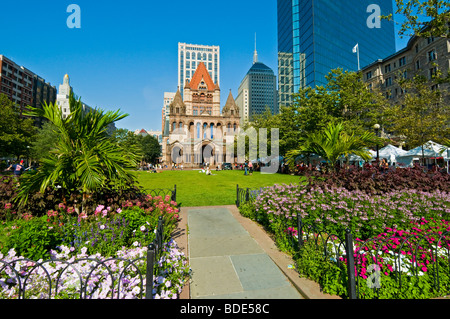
[(387, 68), (198, 130), (402, 61), (433, 72), (417, 65), (430, 40), (369, 75), (432, 55), (388, 81)]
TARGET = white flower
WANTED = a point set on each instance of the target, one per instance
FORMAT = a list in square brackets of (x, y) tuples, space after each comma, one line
[(136, 244), (143, 228), (102, 227)]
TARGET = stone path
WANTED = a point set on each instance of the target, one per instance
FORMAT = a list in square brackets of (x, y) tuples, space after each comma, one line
[(228, 263)]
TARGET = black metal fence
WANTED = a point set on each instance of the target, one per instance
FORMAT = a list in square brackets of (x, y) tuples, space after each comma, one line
[(246, 195), (23, 269), (163, 192), (437, 247)]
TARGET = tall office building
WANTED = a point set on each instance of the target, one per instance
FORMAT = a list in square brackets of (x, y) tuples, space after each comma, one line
[(257, 91), (168, 98), (316, 36), (190, 56)]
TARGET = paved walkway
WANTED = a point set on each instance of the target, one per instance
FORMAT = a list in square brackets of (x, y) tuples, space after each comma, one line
[(228, 263)]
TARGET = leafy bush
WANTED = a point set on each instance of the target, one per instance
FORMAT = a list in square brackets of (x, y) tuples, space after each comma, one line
[(335, 209), (375, 182), (39, 204), (32, 238), (105, 231)]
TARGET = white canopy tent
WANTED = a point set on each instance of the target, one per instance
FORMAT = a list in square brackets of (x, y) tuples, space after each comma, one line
[(391, 152), (430, 150)]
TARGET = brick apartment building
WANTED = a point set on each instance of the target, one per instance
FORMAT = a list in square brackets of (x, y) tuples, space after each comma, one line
[(24, 87)]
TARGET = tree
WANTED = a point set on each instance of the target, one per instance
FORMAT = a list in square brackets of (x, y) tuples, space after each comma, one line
[(345, 98), (333, 142), (423, 18), (422, 113), (85, 158), (45, 141), (16, 133), (151, 150)]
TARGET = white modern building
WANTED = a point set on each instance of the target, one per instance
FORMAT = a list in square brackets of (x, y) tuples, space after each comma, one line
[(189, 57)]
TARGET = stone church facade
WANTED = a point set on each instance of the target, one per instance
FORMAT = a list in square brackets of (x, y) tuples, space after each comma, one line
[(197, 131)]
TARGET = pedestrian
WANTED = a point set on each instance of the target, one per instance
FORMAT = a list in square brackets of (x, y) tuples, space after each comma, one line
[(250, 166), (245, 167), (17, 169)]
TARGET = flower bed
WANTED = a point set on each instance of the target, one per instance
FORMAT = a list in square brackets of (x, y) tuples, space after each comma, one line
[(397, 253), (101, 235)]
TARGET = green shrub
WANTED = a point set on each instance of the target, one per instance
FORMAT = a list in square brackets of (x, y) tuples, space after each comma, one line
[(32, 239)]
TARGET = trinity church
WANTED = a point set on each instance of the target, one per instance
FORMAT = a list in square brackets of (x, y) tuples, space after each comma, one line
[(197, 132)]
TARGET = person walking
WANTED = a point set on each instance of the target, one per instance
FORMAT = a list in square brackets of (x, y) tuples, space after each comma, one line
[(245, 167), (17, 169), (250, 166)]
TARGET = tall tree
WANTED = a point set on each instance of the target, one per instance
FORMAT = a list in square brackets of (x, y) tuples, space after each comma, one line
[(16, 132), (422, 114), (423, 18)]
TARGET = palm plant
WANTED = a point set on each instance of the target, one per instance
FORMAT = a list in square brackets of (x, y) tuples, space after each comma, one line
[(334, 142), (84, 158)]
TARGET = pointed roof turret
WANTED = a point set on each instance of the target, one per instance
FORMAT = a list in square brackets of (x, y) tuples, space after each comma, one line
[(177, 99), (230, 105)]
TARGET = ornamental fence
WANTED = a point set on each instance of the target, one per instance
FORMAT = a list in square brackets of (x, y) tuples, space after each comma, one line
[(163, 192), (18, 274), (433, 249), (246, 195)]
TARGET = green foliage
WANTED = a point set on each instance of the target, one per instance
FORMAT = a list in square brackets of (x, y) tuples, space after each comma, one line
[(344, 99), (45, 142), (84, 158), (428, 18), (421, 115), (333, 142), (32, 239), (16, 133)]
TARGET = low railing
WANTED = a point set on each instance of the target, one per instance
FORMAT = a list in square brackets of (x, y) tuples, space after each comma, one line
[(345, 248), (22, 269), (245, 195), (163, 192)]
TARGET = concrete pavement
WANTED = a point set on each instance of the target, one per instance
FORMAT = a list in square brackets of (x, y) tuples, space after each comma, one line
[(232, 257)]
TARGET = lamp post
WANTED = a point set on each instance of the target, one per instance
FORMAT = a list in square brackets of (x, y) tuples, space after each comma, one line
[(376, 127)]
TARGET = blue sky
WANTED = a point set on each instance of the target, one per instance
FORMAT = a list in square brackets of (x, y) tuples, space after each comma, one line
[(125, 54)]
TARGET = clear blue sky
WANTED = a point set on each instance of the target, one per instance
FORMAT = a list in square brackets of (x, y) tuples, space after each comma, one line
[(125, 54)]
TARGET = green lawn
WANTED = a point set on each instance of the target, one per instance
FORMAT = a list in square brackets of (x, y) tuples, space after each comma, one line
[(197, 189)]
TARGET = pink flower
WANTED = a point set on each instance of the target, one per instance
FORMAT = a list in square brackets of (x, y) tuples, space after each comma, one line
[(8, 206)]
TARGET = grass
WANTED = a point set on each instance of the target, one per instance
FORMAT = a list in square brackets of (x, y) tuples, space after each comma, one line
[(196, 189)]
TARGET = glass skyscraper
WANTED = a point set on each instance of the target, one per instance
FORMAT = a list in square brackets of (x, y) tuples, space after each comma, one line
[(316, 36)]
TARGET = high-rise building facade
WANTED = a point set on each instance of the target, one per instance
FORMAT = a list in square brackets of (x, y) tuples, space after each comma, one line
[(23, 87), (316, 36), (190, 56), (168, 98), (257, 91)]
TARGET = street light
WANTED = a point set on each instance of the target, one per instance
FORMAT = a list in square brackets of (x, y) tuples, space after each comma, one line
[(376, 127)]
